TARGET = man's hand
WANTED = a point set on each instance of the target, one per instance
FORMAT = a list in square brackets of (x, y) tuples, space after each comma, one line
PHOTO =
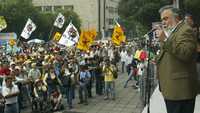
[(160, 34)]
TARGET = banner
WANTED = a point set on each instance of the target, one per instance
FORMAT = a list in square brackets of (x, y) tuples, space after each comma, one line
[(3, 23), (60, 20), (6, 38), (118, 36), (28, 29), (70, 36), (57, 36), (86, 39)]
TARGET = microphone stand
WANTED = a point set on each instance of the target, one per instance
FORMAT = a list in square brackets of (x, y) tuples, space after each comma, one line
[(148, 77)]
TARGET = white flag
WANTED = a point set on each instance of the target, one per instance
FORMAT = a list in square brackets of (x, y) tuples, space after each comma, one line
[(28, 29), (70, 36), (60, 20)]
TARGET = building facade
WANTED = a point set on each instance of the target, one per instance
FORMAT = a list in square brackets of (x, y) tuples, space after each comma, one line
[(94, 14)]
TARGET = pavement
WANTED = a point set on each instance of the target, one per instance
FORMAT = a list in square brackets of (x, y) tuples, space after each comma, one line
[(127, 101)]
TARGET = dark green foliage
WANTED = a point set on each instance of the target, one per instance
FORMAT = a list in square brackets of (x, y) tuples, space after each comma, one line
[(137, 15), (16, 13)]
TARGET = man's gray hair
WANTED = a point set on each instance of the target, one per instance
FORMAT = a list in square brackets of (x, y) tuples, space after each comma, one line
[(176, 12)]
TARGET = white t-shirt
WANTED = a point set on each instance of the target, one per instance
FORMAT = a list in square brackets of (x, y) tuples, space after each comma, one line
[(6, 91), (128, 59), (123, 55)]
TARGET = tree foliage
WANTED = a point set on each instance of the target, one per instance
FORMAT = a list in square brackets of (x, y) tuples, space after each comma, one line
[(140, 13), (137, 14), (16, 13), (192, 7)]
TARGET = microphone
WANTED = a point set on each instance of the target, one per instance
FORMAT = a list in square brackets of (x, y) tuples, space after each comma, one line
[(151, 31)]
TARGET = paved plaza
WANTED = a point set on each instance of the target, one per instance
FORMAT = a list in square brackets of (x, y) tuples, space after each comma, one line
[(127, 101)]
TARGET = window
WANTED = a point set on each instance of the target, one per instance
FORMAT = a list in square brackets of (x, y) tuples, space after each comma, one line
[(57, 8), (69, 7), (110, 21), (39, 8), (116, 10), (47, 8)]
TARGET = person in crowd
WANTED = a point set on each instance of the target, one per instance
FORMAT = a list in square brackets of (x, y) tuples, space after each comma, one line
[(34, 73), (4, 69), (128, 61), (189, 20), (123, 55), (51, 80), (67, 79), (108, 70), (56, 100), (111, 53), (84, 78), (2, 103), (74, 69), (132, 73), (99, 77), (40, 95), (176, 63), (10, 92), (116, 58), (91, 68), (12, 66)]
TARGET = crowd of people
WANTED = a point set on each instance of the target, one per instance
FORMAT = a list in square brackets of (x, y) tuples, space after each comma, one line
[(41, 75)]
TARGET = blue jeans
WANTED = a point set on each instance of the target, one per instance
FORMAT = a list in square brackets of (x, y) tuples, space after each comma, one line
[(129, 78), (83, 93), (110, 88), (69, 94), (123, 63), (11, 108)]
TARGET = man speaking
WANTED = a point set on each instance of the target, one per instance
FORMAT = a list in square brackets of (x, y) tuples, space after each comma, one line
[(176, 62)]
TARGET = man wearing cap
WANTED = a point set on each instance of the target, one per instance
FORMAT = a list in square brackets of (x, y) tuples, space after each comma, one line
[(10, 92), (34, 73)]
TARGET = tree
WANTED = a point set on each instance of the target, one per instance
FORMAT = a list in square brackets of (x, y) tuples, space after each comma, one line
[(70, 16), (192, 7), (16, 13), (140, 13)]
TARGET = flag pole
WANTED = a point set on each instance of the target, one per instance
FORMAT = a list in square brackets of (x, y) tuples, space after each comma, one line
[(116, 22), (52, 28), (18, 41)]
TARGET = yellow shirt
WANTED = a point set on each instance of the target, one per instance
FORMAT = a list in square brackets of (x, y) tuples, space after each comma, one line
[(137, 54), (108, 76)]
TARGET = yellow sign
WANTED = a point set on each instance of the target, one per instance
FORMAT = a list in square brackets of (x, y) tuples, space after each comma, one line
[(57, 36)]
